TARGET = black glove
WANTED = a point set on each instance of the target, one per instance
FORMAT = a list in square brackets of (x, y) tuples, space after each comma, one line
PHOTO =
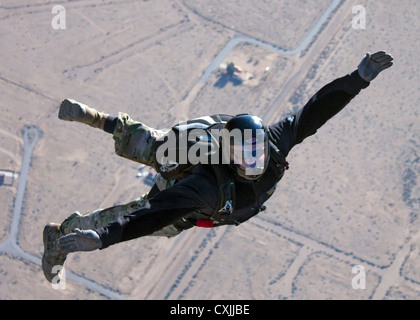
[(80, 240), (374, 64)]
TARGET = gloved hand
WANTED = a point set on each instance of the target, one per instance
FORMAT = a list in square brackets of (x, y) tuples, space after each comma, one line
[(372, 65), (80, 240)]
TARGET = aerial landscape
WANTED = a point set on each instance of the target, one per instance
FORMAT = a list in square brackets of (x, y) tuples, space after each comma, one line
[(344, 222)]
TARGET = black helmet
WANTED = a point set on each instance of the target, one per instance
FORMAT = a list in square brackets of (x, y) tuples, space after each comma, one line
[(246, 146)]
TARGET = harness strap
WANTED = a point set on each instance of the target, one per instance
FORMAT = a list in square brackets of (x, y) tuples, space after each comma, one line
[(280, 163), (226, 193)]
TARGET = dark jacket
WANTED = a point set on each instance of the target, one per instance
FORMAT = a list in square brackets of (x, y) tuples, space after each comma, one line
[(195, 197)]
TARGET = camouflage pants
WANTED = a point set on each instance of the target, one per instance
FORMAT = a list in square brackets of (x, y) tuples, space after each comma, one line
[(133, 140)]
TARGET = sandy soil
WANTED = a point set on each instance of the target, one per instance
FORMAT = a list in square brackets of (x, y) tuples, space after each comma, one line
[(351, 196)]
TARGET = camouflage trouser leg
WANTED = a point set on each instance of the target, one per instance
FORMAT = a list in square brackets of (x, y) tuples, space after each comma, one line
[(102, 217), (133, 140)]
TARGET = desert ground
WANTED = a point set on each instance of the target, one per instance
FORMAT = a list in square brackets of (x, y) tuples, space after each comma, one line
[(351, 196)]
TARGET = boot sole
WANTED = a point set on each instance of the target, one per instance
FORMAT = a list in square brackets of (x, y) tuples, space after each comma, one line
[(71, 110)]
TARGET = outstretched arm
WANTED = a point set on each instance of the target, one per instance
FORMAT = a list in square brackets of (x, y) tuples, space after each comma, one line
[(327, 102)]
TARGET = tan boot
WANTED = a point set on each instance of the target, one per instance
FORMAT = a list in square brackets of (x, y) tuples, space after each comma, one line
[(53, 257), (71, 110)]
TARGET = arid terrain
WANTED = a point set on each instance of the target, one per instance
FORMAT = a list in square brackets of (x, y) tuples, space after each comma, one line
[(351, 196)]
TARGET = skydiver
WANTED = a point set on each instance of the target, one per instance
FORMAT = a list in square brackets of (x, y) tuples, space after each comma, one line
[(172, 206)]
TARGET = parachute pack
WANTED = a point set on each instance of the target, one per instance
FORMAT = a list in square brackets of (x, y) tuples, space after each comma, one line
[(188, 144)]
